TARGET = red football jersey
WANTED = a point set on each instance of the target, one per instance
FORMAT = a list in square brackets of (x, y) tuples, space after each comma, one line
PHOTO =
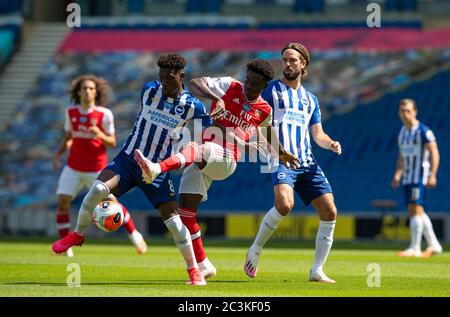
[(240, 114), (88, 153)]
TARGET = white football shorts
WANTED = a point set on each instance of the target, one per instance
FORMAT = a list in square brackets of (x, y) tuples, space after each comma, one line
[(71, 181), (220, 165)]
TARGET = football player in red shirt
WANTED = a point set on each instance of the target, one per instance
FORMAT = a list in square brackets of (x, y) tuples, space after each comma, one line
[(236, 107)]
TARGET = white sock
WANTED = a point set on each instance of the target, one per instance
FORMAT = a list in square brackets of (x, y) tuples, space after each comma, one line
[(324, 240), (182, 238), (135, 237), (96, 193), (416, 228), (428, 232), (268, 226)]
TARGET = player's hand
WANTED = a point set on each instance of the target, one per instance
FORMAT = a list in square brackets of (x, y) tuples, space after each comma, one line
[(335, 146), (290, 160), (95, 130), (395, 182), (56, 163), (219, 110), (432, 181)]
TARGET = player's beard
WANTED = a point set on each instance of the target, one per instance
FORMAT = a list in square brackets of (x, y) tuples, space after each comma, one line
[(291, 76)]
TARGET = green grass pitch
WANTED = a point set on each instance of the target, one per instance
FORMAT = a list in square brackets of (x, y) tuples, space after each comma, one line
[(29, 269)]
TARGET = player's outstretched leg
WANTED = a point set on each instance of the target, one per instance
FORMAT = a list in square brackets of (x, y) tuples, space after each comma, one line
[(135, 236), (190, 154), (97, 192)]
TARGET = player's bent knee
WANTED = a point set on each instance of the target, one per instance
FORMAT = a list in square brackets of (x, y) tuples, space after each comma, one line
[(97, 192), (284, 208), (329, 213)]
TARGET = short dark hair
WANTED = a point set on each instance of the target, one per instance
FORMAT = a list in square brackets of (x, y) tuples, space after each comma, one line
[(408, 100), (171, 60), (303, 53), (262, 68), (101, 86)]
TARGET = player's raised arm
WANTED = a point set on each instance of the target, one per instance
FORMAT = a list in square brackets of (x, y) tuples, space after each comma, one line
[(212, 89), (323, 140)]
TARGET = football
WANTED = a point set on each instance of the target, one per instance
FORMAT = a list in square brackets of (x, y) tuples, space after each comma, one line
[(108, 216)]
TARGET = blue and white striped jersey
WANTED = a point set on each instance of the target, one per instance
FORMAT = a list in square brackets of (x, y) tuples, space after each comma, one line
[(154, 129), (416, 159), (294, 112)]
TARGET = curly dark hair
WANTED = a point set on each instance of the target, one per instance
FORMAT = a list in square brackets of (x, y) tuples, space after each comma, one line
[(101, 85), (262, 68), (171, 60), (303, 53)]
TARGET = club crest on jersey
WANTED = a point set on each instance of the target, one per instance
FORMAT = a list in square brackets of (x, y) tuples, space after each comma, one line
[(83, 119), (258, 113), (179, 110), (93, 121), (246, 107), (305, 102), (281, 176)]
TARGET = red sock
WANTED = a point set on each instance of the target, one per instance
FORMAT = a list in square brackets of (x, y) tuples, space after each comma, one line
[(62, 223), (190, 154), (127, 220), (189, 218)]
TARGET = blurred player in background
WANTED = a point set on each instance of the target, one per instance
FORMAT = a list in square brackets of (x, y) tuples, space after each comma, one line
[(238, 111), (417, 164), (296, 115), (89, 128), (165, 107)]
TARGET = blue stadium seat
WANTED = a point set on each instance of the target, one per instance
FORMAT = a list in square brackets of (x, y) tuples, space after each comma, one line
[(6, 46)]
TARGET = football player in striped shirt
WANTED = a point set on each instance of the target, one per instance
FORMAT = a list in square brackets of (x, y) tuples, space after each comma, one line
[(296, 115), (417, 166), (165, 106)]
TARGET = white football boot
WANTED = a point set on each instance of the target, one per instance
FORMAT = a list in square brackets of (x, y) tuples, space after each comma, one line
[(319, 276), (138, 240), (410, 253), (149, 169), (251, 263), (432, 250), (207, 269)]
